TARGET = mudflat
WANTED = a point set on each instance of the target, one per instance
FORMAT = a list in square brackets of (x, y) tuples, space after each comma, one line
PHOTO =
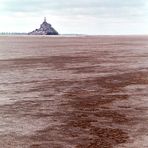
[(73, 92)]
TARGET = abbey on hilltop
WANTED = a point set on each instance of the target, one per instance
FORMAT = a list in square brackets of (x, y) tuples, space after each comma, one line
[(45, 29)]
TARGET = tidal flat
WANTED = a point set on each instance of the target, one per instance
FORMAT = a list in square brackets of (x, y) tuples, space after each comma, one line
[(73, 91)]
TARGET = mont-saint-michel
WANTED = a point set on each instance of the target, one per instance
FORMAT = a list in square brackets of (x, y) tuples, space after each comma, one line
[(45, 29)]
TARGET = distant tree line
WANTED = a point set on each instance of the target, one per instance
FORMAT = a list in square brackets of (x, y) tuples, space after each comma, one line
[(13, 33)]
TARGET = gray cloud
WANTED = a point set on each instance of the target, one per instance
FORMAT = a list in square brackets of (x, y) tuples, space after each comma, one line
[(74, 6)]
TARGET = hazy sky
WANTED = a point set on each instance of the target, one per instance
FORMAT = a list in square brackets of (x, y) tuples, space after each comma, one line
[(76, 16)]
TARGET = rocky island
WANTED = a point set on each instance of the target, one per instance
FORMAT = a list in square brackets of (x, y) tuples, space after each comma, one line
[(45, 29)]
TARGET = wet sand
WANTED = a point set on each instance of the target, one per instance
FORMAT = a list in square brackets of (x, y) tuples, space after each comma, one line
[(74, 92)]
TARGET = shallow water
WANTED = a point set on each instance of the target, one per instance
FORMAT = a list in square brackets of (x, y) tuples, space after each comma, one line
[(73, 92)]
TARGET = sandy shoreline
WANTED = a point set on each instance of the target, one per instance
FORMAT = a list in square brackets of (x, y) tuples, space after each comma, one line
[(77, 92)]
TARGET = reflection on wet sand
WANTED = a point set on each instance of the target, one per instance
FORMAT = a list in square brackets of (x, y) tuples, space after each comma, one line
[(90, 93)]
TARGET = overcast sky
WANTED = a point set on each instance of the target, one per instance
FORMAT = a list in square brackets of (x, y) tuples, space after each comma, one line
[(76, 16)]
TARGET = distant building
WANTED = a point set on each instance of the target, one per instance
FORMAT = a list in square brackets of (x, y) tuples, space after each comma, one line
[(45, 29)]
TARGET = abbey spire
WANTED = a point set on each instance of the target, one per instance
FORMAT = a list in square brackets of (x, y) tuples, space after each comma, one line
[(44, 19)]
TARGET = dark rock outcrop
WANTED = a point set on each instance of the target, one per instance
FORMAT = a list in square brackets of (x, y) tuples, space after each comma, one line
[(45, 29)]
